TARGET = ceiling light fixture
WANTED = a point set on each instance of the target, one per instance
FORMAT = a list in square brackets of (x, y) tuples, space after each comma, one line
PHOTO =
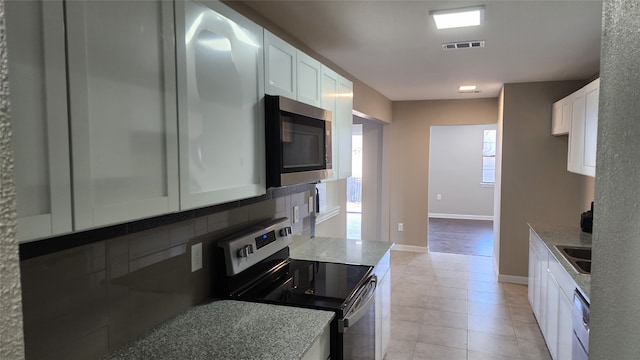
[(454, 18), (467, 88)]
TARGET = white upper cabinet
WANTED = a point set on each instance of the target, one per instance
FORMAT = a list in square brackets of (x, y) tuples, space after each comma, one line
[(221, 114), (38, 95), (308, 72), (122, 110), (329, 101), (337, 97), (561, 117), (291, 73), (280, 66), (576, 134), (591, 99), (584, 130), (344, 119)]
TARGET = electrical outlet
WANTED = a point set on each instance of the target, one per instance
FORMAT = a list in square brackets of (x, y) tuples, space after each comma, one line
[(296, 214), (311, 207), (196, 257), (400, 227), (439, 196)]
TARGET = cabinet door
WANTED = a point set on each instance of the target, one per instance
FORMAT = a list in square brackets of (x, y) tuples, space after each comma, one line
[(39, 118), (329, 87), (565, 327), (531, 281), (550, 330), (308, 79), (344, 120), (221, 119), (566, 114), (576, 135), (123, 110), (383, 315), (280, 66), (591, 98), (560, 119)]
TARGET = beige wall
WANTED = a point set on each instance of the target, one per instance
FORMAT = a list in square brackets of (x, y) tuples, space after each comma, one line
[(409, 154), (535, 183), (365, 99)]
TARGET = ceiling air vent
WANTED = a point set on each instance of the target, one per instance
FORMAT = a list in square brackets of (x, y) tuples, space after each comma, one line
[(464, 45)]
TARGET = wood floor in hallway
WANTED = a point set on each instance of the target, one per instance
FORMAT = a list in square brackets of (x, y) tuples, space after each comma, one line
[(450, 306), (459, 236)]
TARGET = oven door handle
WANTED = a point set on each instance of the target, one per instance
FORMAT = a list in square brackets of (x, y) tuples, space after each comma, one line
[(361, 305)]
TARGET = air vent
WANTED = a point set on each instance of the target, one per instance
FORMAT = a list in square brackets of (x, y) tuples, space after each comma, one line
[(464, 45)]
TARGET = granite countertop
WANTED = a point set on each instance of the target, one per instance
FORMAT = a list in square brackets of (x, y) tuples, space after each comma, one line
[(357, 252), (231, 330), (553, 235)]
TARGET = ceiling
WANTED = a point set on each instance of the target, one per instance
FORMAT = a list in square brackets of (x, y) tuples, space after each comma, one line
[(394, 47)]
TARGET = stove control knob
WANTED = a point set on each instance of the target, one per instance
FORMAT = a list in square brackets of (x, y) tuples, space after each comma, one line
[(249, 249), (285, 231), (242, 252)]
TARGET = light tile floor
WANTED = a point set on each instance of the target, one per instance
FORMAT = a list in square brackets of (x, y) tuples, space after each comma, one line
[(450, 306)]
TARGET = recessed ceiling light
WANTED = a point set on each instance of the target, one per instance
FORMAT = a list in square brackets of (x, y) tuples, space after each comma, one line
[(464, 88), (454, 18)]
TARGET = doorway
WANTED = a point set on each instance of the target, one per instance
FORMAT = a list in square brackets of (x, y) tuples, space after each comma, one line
[(364, 188), (354, 186), (461, 180)]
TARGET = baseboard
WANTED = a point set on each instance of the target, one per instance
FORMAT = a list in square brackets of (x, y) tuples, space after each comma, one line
[(514, 279), (412, 248), (460, 216)]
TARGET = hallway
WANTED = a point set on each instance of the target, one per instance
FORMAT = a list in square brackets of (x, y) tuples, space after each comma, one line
[(448, 306)]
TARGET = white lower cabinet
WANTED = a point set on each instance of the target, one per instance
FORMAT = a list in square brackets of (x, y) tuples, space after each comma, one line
[(39, 117), (565, 327), (321, 348), (383, 306), (552, 320), (552, 308), (221, 111)]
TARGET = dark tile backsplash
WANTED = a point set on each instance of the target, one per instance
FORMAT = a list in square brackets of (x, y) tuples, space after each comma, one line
[(86, 301)]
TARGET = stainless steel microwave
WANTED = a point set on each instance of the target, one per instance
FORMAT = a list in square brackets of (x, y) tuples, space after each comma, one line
[(298, 142)]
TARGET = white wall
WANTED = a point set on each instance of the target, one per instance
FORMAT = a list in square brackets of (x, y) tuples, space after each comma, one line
[(455, 172)]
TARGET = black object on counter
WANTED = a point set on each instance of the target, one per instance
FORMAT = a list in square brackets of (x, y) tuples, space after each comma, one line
[(586, 220)]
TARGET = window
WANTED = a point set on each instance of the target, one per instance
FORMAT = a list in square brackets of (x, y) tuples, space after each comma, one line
[(489, 157)]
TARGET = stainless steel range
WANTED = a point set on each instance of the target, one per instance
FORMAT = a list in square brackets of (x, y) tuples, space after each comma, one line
[(254, 265)]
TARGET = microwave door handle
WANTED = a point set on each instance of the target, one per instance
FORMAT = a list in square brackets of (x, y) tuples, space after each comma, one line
[(353, 316)]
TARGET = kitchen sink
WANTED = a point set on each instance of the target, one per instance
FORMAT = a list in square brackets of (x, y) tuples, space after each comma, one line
[(583, 253), (584, 266), (578, 257)]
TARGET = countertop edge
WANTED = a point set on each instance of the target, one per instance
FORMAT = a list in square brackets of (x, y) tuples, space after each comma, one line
[(213, 321), (552, 235), (338, 250)]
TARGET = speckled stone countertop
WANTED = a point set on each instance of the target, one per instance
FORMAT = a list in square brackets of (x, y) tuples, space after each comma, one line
[(553, 235), (231, 330), (358, 252)]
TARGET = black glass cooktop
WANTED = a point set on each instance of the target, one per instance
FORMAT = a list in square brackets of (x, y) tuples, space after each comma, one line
[(315, 284)]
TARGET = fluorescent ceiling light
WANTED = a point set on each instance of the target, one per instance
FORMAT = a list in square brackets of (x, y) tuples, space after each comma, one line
[(454, 18), (467, 88)]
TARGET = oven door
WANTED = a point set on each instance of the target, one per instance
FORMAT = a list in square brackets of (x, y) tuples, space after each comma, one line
[(358, 326)]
